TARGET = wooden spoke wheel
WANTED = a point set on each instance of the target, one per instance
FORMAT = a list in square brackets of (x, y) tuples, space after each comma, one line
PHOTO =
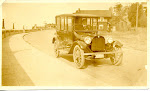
[(116, 58), (78, 57)]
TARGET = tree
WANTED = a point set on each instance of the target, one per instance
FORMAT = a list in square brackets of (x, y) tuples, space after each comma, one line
[(146, 11), (118, 11), (142, 17), (116, 15), (120, 17), (142, 20), (132, 12)]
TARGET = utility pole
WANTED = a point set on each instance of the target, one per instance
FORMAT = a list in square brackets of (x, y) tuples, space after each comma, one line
[(137, 17), (13, 26), (3, 26), (23, 29)]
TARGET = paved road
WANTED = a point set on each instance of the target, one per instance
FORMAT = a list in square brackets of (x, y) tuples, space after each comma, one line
[(29, 60), (102, 73), (24, 65)]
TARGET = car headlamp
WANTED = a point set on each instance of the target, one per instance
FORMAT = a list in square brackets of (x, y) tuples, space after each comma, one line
[(110, 40), (87, 40)]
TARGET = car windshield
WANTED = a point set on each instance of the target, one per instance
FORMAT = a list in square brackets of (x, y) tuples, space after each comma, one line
[(82, 23)]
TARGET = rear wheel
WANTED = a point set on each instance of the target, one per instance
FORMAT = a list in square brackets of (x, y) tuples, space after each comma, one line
[(78, 57), (116, 58)]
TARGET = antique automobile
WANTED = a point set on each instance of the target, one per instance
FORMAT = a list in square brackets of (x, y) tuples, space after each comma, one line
[(79, 34)]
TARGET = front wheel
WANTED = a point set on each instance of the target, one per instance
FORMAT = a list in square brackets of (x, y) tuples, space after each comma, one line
[(116, 58), (78, 57)]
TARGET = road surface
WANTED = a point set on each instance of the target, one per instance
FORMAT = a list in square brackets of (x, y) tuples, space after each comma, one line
[(28, 60), (132, 72)]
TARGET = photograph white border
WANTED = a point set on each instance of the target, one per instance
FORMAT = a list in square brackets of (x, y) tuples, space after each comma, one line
[(69, 87)]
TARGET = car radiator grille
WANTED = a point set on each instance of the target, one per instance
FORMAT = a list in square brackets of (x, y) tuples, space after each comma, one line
[(98, 44)]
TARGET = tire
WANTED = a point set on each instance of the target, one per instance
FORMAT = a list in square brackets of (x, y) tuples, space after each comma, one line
[(117, 58), (78, 57), (57, 52)]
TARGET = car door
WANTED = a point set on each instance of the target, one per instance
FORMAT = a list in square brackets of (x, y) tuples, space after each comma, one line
[(69, 27), (64, 31)]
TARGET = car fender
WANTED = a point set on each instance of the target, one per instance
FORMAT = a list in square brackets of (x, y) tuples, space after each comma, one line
[(82, 45), (54, 38)]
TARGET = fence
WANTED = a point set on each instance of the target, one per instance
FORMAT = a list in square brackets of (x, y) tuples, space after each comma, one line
[(6, 33)]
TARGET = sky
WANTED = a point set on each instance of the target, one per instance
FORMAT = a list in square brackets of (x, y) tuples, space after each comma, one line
[(29, 14)]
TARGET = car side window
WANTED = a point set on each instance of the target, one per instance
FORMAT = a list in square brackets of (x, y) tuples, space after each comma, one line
[(92, 23), (58, 23), (78, 23), (66, 23), (84, 21), (62, 23), (70, 21), (89, 27), (88, 21)]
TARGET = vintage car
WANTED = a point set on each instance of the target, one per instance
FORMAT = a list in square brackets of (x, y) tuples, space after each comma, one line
[(78, 34)]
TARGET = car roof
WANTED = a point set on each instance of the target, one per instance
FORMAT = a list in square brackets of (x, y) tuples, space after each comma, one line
[(79, 15)]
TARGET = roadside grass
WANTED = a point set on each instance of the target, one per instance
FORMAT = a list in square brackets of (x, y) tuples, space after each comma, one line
[(131, 39)]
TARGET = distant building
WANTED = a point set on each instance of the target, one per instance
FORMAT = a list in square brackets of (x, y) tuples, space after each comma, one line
[(35, 27), (53, 25), (46, 27), (49, 26), (104, 16)]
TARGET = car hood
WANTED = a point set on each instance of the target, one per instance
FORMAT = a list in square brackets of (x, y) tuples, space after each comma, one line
[(82, 35)]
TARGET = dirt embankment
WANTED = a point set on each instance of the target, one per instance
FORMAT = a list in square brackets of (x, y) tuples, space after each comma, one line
[(131, 39)]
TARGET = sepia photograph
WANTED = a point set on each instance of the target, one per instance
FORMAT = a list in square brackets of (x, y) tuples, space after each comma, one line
[(74, 44)]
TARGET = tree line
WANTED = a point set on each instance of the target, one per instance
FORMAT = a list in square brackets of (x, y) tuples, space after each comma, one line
[(128, 14)]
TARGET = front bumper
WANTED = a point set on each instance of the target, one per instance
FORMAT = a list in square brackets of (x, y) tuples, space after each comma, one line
[(99, 55), (96, 53)]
